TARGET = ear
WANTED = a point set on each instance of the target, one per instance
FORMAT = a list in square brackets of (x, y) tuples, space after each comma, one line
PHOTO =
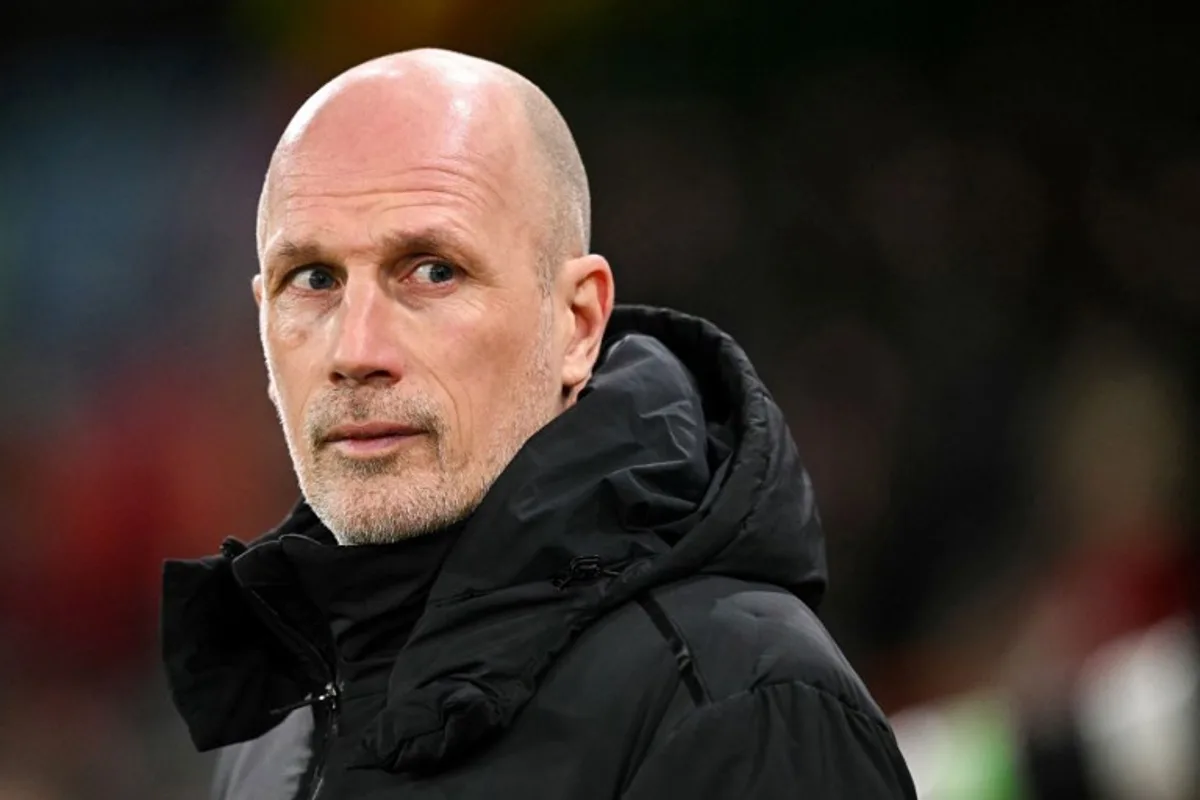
[(585, 291), (257, 286)]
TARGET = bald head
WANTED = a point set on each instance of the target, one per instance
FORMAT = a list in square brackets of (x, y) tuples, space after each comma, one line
[(465, 101)]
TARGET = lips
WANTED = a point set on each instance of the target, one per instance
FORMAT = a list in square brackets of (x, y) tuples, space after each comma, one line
[(371, 440), (366, 431)]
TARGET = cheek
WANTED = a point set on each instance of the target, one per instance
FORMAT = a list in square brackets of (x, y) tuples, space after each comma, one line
[(286, 345), (494, 358), (288, 325), (474, 355), (444, 356)]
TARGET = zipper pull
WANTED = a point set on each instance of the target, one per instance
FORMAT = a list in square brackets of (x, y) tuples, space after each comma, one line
[(583, 568), (328, 695)]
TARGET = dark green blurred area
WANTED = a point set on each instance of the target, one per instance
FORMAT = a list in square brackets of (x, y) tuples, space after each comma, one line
[(959, 240)]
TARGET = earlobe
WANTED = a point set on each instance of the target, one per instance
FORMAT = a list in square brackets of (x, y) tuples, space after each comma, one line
[(257, 287)]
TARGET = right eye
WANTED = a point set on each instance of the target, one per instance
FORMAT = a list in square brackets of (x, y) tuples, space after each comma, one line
[(313, 279)]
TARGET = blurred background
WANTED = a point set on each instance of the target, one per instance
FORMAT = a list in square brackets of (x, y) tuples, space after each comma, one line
[(959, 239)]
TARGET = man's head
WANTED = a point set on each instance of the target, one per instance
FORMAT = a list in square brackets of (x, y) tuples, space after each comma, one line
[(426, 297)]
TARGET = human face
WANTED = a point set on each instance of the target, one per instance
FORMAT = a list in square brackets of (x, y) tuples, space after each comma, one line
[(407, 336)]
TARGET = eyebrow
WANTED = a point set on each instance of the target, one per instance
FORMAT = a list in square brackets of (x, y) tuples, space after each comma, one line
[(392, 245)]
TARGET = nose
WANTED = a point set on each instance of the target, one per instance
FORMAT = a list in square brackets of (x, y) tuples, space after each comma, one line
[(366, 348)]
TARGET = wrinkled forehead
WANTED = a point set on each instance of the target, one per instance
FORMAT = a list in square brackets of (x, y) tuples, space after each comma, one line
[(386, 136)]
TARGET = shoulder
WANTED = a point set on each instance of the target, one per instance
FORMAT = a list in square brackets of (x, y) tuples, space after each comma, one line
[(739, 636), (772, 703)]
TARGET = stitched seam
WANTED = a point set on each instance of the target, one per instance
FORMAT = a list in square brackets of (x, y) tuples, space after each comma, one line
[(635, 755), (858, 712), (881, 728), (685, 663), (879, 725)]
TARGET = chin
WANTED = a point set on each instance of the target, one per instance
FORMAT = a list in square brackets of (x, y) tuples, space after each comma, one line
[(369, 535), (378, 511)]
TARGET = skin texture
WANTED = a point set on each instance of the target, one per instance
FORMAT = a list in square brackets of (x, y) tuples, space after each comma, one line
[(424, 276)]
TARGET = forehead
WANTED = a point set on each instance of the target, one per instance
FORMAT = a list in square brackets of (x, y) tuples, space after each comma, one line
[(410, 151)]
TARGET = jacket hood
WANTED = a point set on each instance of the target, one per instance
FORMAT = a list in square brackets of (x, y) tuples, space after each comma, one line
[(674, 462)]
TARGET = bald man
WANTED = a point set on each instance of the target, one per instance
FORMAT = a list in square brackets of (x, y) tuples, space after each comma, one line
[(544, 548)]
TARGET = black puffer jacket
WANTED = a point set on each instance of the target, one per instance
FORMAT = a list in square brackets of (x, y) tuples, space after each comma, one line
[(628, 614)]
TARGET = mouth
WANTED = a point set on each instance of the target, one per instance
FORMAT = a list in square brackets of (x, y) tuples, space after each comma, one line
[(369, 439)]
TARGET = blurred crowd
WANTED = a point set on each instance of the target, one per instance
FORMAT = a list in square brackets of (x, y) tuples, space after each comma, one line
[(961, 244)]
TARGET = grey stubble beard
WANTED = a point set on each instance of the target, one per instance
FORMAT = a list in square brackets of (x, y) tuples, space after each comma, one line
[(369, 511)]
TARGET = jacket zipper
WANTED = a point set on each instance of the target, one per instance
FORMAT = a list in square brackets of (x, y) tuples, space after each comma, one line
[(325, 727), (325, 705), (325, 718)]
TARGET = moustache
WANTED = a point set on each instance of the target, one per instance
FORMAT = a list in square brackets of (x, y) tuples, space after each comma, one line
[(338, 408)]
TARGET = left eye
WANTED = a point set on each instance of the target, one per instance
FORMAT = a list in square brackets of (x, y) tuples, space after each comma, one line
[(436, 272)]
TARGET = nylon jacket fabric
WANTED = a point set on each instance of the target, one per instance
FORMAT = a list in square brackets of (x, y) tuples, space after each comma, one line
[(630, 613)]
